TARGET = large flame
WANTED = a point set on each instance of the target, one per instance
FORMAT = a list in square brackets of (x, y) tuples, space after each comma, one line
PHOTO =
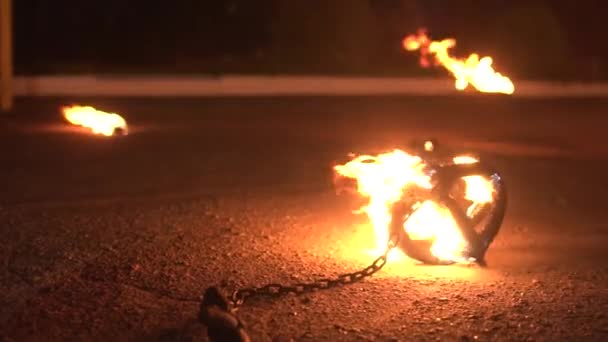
[(384, 178), (474, 71), (97, 121)]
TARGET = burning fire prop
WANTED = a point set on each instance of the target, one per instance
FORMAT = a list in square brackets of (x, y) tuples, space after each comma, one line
[(435, 212), (470, 71), (438, 213), (98, 122)]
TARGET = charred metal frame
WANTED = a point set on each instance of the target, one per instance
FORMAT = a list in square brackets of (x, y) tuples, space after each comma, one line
[(479, 231)]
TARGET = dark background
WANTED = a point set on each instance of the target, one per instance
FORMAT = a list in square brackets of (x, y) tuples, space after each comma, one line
[(111, 239), (529, 39)]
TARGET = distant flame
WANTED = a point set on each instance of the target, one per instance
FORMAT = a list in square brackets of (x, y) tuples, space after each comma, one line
[(474, 71), (97, 121), (384, 178)]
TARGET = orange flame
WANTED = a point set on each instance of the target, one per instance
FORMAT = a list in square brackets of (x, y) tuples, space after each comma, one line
[(474, 71), (384, 178), (97, 121)]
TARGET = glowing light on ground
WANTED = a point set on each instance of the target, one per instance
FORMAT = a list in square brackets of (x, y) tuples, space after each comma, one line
[(97, 121)]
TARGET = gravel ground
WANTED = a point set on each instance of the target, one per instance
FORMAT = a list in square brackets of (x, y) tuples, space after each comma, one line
[(117, 238)]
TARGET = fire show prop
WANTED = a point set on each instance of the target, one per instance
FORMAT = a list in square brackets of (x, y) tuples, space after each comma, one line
[(473, 70), (435, 210)]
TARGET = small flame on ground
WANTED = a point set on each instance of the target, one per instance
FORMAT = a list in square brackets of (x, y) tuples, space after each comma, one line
[(97, 121), (470, 71), (384, 178)]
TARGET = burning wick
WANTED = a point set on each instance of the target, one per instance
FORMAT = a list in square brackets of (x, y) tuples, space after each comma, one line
[(388, 178), (472, 70), (97, 121)]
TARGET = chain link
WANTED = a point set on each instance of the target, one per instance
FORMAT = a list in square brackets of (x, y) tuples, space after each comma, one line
[(276, 290)]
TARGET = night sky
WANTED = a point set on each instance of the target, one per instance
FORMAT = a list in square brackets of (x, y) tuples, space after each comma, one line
[(530, 39)]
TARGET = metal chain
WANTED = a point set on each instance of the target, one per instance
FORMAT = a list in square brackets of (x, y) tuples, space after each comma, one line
[(276, 290)]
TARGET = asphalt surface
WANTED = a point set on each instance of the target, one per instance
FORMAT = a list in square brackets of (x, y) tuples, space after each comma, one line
[(116, 239)]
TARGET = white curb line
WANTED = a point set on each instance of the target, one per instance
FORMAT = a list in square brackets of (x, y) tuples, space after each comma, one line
[(172, 86)]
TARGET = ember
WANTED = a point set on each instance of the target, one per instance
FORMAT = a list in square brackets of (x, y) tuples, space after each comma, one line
[(98, 122), (402, 192), (472, 70)]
